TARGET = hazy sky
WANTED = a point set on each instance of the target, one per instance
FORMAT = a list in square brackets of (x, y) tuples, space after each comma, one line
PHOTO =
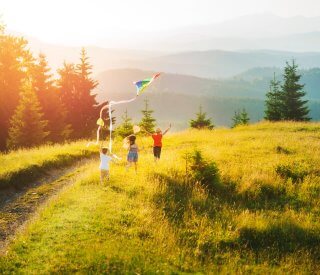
[(79, 21)]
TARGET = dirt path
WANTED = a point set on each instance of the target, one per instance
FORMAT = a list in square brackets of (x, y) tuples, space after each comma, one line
[(18, 204)]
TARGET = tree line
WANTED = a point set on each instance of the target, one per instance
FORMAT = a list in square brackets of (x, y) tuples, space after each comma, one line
[(284, 102), (37, 107)]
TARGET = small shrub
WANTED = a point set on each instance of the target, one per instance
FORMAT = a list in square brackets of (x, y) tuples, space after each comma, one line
[(295, 172), (205, 249), (270, 192), (282, 150), (206, 173)]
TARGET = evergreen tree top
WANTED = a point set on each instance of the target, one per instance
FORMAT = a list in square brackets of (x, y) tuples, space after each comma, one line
[(284, 102), (84, 68), (27, 124), (147, 121), (201, 121)]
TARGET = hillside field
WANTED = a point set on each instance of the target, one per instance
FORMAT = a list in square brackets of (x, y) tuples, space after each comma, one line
[(176, 98), (242, 200)]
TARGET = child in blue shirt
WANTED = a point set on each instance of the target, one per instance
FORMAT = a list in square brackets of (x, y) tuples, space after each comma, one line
[(104, 164)]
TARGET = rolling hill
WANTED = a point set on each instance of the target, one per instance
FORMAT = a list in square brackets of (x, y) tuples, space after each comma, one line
[(252, 83), (208, 64), (176, 98), (240, 201)]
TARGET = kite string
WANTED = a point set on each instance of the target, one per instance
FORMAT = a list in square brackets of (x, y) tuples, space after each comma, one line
[(141, 86), (111, 103)]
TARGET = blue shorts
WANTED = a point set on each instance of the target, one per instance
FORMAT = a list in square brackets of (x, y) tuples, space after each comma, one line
[(132, 157)]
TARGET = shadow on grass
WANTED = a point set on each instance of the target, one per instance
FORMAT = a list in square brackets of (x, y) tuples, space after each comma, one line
[(267, 197), (276, 241), (186, 198), (175, 196), (117, 189), (284, 237)]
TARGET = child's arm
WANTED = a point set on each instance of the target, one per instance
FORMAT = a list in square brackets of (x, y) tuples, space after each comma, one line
[(114, 157), (167, 129), (146, 131)]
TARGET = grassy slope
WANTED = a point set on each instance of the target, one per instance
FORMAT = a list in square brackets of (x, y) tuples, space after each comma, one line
[(24, 164), (262, 215)]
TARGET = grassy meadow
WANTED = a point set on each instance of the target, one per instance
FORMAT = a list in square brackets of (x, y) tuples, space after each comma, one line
[(27, 164), (244, 200)]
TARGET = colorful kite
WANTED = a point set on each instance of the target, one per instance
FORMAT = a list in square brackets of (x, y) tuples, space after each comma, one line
[(141, 87), (143, 84)]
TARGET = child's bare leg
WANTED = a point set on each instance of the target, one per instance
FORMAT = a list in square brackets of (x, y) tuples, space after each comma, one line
[(107, 175), (101, 176), (136, 167), (104, 176)]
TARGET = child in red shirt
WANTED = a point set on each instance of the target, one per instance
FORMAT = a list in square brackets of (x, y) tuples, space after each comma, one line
[(157, 141)]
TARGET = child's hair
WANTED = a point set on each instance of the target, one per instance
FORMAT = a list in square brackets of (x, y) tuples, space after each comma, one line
[(132, 139), (104, 150)]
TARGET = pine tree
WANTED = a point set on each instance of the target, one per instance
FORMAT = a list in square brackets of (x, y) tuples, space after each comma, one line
[(236, 119), (15, 63), (240, 118), (244, 117), (54, 110), (87, 106), (76, 86), (147, 121), (293, 106), (68, 95), (67, 90), (27, 127), (126, 128), (201, 122), (274, 101)]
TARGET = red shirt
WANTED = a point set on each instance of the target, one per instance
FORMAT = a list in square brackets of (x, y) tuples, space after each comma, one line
[(157, 140)]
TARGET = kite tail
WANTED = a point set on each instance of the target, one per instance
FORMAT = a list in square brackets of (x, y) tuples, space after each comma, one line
[(141, 86), (111, 103)]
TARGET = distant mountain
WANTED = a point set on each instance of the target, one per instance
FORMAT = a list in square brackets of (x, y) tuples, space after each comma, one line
[(260, 77), (101, 58), (216, 50), (215, 63), (176, 98), (207, 64), (257, 31), (259, 25), (253, 83), (299, 42), (117, 84)]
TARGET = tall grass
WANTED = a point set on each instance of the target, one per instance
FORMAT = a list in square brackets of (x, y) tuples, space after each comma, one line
[(21, 166), (216, 202)]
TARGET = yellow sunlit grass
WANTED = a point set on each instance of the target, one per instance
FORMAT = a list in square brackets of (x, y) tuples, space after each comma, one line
[(261, 216)]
